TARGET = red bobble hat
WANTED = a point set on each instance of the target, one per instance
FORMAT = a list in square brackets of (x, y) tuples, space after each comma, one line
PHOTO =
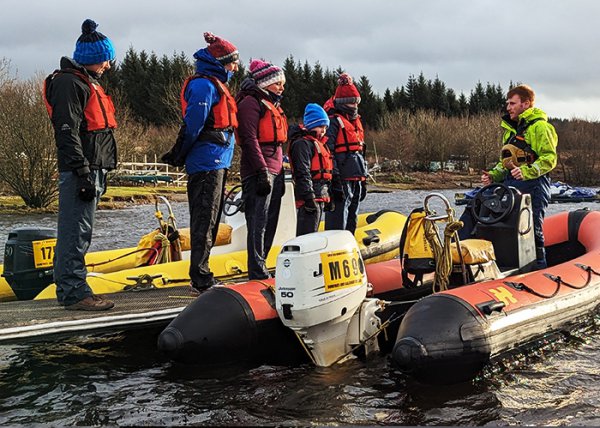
[(346, 92), (221, 49)]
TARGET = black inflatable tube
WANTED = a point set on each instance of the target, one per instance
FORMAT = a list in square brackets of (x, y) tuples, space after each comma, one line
[(441, 340), (220, 327)]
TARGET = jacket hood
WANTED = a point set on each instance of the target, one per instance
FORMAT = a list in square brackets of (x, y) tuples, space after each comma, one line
[(249, 88), (295, 132), (70, 63), (207, 64)]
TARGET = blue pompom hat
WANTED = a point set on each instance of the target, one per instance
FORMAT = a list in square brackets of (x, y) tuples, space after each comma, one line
[(92, 47), (314, 116)]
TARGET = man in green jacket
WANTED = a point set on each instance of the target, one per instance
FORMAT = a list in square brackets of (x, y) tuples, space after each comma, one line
[(528, 155)]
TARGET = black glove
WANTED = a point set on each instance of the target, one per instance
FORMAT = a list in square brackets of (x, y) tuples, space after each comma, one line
[(86, 189), (310, 205), (337, 187), (263, 183), (329, 206), (363, 190)]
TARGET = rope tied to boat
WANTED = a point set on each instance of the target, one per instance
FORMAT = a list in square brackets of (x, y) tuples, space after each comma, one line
[(137, 250), (520, 286), (442, 252)]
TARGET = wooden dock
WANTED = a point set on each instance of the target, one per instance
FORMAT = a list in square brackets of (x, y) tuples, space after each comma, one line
[(40, 318)]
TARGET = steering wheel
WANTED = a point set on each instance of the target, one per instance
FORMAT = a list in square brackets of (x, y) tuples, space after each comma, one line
[(231, 204), (493, 203)]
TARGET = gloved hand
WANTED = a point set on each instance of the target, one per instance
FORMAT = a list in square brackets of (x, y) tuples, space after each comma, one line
[(264, 183), (337, 187), (310, 205), (329, 206), (363, 190), (86, 189)]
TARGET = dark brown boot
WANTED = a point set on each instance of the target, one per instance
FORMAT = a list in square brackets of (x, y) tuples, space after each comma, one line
[(91, 303)]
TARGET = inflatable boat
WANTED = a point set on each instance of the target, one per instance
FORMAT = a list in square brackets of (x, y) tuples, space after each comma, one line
[(325, 304), (450, 336), (242, 322)]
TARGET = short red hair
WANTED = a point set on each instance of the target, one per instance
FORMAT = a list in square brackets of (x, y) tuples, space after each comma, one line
[(524, 92)]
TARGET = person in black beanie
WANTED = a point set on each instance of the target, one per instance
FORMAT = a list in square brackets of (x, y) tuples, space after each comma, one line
[(83, 117)]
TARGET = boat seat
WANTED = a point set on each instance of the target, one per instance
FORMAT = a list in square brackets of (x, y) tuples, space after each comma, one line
[(474, 252), (479, 259)]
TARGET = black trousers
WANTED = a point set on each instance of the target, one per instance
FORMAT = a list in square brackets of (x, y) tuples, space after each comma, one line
[(262, 214), (308, 222), (205, 198)]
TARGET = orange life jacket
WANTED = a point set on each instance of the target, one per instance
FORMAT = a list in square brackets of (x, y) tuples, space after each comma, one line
[(224, 113), (99, 111), (272, 126), (321, 164), (351, 135)]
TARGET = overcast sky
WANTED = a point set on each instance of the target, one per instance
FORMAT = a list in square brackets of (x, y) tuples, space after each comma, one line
[(550, 44)]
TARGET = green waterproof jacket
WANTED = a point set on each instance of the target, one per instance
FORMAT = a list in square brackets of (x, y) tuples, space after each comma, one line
[(542, 138)]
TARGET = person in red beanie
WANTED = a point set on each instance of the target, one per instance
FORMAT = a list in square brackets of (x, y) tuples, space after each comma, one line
[(345, 138), (207, 143), (262, 132)]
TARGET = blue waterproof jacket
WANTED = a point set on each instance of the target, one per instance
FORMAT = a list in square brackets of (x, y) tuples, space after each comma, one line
[(201, 95)]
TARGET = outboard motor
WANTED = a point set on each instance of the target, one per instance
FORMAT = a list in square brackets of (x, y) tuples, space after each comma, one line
[(321, 286), (28, 258), (504, 217)]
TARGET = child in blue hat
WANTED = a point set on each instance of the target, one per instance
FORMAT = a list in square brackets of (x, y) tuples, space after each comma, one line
[(312, 166)]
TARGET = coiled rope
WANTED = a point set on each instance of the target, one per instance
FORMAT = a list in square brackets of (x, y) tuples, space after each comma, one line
[(442, 252)]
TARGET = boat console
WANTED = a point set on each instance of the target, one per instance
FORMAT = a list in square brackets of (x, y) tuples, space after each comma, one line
[(503, 216)]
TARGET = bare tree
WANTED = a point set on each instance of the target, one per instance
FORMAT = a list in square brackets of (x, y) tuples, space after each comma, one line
[(27, 148)]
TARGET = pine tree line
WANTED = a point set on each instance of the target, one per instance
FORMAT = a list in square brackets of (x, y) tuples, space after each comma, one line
[(150, 87)]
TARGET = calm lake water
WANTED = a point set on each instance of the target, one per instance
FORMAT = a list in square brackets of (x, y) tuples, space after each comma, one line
[(120, 379)]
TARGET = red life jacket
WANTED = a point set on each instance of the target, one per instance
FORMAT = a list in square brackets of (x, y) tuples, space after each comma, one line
[(99, 111), (223, 115), (272, 126), (351, 136), (321, 164)]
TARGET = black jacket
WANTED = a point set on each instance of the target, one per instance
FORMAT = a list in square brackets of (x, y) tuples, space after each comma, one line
[(77, 149), (301, 153)]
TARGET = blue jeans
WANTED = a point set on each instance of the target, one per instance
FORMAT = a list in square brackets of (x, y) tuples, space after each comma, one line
[(345, 215), (74, 236), (539, 189)]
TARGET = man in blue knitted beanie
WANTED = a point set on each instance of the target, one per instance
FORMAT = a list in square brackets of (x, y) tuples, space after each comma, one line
[(83, 117)]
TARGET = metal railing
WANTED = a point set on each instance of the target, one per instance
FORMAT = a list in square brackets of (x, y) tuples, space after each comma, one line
[(145, 171)]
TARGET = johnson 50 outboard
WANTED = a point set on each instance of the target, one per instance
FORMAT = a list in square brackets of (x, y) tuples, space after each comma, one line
[(321, 288)]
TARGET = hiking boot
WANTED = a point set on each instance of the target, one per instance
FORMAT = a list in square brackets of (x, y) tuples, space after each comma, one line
[(91, 303), (197, 289)]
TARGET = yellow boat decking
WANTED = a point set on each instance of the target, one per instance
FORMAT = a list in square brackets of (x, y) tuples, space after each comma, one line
[(37, 318)]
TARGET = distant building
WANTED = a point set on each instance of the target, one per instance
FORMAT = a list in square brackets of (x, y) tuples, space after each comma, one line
[(454, 163)]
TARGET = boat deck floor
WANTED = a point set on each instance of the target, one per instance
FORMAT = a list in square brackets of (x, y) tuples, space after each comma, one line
[(35, 318)]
